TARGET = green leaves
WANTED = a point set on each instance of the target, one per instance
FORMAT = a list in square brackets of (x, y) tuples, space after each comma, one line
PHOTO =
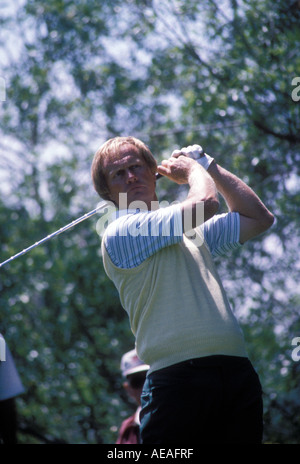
[(172, 73)]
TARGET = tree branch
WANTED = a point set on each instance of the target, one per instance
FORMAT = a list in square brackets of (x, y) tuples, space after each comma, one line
[(292, 138)]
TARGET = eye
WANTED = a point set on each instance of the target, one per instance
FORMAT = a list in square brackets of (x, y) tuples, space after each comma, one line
[(119, 173)]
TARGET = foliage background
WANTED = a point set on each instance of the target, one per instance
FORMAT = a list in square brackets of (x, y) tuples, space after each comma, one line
[(173, 73)]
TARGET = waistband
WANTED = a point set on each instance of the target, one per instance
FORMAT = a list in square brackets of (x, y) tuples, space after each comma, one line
[(206, 361)]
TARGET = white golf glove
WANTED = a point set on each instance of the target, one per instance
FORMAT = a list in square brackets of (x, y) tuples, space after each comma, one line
[(196, 152)]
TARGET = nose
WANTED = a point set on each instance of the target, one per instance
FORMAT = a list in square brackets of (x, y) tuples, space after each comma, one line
[(131, 176)]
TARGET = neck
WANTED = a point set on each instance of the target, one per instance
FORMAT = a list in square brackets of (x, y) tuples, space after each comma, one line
[(148, 205)]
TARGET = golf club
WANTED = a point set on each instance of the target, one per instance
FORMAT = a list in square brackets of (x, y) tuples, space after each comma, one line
[(59, 231), (194, 152)]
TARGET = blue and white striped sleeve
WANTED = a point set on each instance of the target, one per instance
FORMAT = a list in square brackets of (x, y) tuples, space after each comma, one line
[(133, 238), (222, 233)]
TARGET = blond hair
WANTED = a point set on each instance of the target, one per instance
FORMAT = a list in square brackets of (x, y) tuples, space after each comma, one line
[(110, 149)]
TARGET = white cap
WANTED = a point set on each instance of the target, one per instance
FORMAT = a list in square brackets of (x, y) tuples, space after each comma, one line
[(131, 364)]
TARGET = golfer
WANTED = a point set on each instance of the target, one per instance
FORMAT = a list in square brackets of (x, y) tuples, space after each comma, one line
[(201, 387)]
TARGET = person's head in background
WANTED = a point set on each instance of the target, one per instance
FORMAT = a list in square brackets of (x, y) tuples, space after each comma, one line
[(134, 372)]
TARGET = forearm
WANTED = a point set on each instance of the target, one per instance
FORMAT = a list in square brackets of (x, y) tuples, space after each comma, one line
[(238, 195), (202, 190), (242, 199), (202, 193)]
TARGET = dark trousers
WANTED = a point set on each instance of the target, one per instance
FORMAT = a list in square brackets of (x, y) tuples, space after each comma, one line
[(216, 399), (8, 422)]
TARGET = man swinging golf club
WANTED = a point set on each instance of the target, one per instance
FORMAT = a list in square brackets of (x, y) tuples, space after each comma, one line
[(201, 387)]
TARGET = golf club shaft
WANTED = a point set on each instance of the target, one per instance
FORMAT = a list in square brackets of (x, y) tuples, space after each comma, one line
[(54, 234), (60, 231), (63, 229)]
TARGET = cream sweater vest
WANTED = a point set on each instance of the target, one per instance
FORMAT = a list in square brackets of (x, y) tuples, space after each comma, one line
[(177, 306)]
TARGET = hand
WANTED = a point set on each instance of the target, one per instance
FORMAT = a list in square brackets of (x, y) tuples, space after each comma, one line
[(192, 151), (177, 168)]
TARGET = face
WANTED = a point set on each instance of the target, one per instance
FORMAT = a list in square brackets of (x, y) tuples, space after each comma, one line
[(129, 173), (134, 386)]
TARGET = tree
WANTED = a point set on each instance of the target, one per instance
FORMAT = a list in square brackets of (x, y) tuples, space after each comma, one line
[(67, 336), (172, 73)]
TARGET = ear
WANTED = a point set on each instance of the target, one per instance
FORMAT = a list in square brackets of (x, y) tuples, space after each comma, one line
[(126, 386)]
